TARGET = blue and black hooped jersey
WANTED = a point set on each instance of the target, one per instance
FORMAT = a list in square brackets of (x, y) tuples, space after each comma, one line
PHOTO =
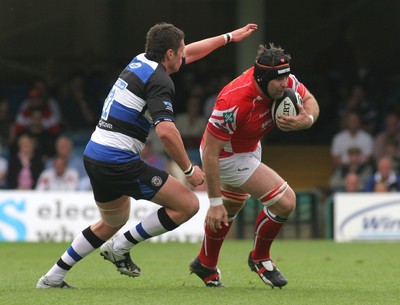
[(141, 97)]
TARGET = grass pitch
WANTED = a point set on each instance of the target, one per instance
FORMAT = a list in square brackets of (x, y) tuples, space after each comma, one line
[(319, 272)]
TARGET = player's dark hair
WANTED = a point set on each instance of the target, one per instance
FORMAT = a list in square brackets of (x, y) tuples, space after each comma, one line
[(160, 38), (267, 53)]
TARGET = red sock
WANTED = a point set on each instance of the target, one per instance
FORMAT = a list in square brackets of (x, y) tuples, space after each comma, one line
[(266, 229), (212, 244)]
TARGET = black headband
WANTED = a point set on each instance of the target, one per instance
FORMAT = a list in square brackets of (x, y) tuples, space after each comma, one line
[(263, 73)]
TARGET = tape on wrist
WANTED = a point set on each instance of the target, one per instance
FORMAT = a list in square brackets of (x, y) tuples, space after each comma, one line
[(312, 119), (189, 172), (214, 202), (227, 37)]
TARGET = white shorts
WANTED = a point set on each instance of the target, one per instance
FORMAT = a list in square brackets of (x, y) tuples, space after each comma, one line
[(238, 168)]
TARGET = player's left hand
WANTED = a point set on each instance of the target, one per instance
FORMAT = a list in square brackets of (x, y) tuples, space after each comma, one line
[(240, 34), (197, 178), (298, 122)]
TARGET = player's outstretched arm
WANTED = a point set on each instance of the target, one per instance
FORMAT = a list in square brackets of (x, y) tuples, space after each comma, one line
[(199, 49)]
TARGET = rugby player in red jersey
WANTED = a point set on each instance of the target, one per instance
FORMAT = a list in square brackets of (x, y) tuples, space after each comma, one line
[(231, 156)]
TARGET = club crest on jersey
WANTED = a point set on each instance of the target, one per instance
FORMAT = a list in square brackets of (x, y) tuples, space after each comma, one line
[(228, 117), (168, 106), (135, 65), (156, 181)]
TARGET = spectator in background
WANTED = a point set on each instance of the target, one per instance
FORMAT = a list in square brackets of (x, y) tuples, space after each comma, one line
[(390, 133), (352, 136), (43, 137), (65, 148), (357, 101), (384, 178), (25, 166), (3, 170), (391, 150), (156, 145), (95, 73), (152, 158), (191, 125), (380, 187), (214, 87), (84, 184), (50, 113), (355, 165), (41, 86), (59, 177), (77, 113), (352, 183), (6, 123)]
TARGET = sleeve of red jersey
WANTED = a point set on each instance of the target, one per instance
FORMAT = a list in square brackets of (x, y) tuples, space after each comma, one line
[(302, 90), (223, 120), (296, 85)]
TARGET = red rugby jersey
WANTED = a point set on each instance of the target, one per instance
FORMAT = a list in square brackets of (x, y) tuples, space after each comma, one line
[(241, 116)]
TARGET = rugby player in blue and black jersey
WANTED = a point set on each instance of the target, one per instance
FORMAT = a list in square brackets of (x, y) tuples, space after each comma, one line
[(141, 97)]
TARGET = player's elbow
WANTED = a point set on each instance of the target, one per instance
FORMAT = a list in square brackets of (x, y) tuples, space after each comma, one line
[(166, 130)]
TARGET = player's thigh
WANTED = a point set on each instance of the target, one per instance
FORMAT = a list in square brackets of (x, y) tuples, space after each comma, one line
[(114, 214), (176, 196), (265, 179), (121, 203)]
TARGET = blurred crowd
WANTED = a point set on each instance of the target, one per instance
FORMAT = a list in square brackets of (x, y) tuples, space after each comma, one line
[(43, 134), (359, 98)]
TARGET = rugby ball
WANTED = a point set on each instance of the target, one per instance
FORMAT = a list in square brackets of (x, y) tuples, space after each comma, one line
[(287, 104)]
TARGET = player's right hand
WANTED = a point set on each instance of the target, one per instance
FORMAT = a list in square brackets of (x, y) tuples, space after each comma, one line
[(242, 33), (197, 178), (216, 217)]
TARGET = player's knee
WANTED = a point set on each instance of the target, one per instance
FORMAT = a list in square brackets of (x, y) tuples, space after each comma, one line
[(233, 202), (286, 204), (115, 219), (192, 208), (286, 207), (290, 200), (282, 195)]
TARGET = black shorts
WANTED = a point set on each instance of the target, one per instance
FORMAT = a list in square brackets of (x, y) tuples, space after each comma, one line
[(135, 179)]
